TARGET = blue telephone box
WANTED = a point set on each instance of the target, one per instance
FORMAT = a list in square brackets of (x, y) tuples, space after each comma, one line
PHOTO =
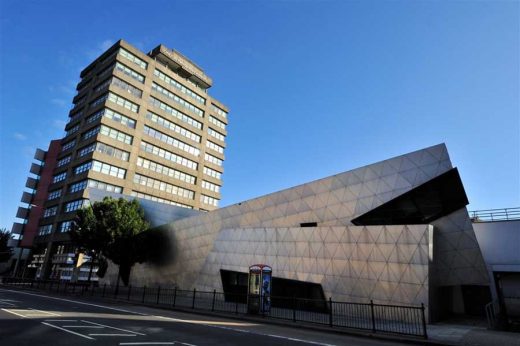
[(259, 289)]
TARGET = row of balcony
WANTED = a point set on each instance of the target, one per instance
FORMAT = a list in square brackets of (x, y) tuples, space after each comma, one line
[(28, 197)]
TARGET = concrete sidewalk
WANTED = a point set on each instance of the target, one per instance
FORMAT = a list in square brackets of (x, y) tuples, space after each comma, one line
[(459, 334)]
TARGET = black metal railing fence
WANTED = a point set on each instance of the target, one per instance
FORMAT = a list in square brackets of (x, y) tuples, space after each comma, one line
[(376, 318), (493, 215)]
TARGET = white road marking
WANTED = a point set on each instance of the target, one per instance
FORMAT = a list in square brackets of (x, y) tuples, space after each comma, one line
[(95, 327), (14, 313), (248, 332), (103, 325), (76, 302), (112, 335), (148, 343), (60, 320), (27, 313), (169, 318), (274, 336), (45, 312), (185, 343), (298, 340), (68, 331)]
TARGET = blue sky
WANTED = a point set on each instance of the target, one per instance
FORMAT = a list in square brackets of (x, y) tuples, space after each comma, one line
[(315, 87)]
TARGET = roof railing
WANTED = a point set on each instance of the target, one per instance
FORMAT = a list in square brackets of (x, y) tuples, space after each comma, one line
[(492, 215)]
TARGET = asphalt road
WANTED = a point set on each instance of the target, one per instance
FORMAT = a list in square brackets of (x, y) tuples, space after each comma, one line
[(33, 318)]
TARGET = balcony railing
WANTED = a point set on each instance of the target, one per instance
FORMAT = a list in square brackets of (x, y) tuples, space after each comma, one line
[(492, 215)]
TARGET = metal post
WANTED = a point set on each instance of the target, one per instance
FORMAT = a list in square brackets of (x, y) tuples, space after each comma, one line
[(330, 311), (58, 290), (425, 333), (294, 309), (213, 302), (193, 302), (73, 288), (158, 294), (144, 293), (373, 316), (104, 289), (20, 255), (129, 291), (236, 306), (174, 296)]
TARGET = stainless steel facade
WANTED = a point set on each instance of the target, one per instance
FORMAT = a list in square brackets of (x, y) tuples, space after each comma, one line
[(391, 264)]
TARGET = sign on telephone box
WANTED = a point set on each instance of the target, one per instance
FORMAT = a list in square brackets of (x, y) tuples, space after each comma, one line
[(259, 289)]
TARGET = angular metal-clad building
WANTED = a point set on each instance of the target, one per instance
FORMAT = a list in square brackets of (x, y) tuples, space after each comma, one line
[(395, 232)]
